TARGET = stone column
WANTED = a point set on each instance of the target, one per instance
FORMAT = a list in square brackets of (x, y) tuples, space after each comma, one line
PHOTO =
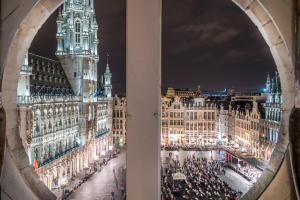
[(60, 168), (143, 97), (71, 166), (77, 164), (51, 180)]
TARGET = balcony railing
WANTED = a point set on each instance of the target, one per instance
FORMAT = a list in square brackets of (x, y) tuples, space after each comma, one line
[(273, 105), (102, 132), (55, 131), (26, 69), (45, 99), (201, 108), (57, 156)]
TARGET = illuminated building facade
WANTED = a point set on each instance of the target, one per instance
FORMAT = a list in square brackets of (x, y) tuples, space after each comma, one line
[(223, 126), (246, 132), (250, 122), (119, 120), (273, 113), (172, 93), (65, 113), (188, 122), (255, 129)]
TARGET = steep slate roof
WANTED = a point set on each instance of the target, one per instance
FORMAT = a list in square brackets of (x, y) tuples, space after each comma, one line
[(48, 77)]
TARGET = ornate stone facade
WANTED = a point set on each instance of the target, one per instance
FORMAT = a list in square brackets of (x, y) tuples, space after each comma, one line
[(245, 134), (273, 113), (119, 120), (188, 122), (65, 113), (255, 129), (172, 92)]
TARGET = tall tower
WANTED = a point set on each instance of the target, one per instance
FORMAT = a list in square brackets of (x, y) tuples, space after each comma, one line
[(107, 80), (277, 88), (269, 89), (77, 46)]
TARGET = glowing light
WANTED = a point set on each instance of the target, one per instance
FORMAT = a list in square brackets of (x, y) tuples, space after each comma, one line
[(63, 181), (85, 165)]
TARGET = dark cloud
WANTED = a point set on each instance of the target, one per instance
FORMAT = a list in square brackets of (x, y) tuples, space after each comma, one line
[(214, 44), (225, 35), (234, 55)]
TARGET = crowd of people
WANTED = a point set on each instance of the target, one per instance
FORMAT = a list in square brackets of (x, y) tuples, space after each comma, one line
[(201, 183), (193, 147)]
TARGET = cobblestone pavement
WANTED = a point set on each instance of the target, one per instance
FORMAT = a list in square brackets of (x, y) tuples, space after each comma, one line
[(236, 181), (100, 185)]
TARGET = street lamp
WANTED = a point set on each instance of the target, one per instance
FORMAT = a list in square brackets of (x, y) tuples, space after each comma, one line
[(121, 142), (96, 163), (85, 168), (63, 184)]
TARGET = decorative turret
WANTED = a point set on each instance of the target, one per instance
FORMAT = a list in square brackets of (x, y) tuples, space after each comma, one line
[(268, 84), (24, 78), (77, 46), (107, 79)]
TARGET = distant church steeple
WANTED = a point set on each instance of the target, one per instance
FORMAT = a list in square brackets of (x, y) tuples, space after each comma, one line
[(268, 84), (107, 70), (107, 79)]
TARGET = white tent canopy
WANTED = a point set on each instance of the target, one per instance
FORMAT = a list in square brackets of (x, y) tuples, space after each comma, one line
[(178, 176)]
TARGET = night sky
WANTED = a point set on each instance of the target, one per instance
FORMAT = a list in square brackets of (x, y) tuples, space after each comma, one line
[(211, 43)]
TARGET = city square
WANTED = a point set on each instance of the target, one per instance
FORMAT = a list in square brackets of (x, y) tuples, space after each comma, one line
[(109, 181), (149, 100)]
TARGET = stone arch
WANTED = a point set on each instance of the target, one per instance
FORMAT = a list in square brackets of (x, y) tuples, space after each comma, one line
[(282, 54), (32, 14)]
